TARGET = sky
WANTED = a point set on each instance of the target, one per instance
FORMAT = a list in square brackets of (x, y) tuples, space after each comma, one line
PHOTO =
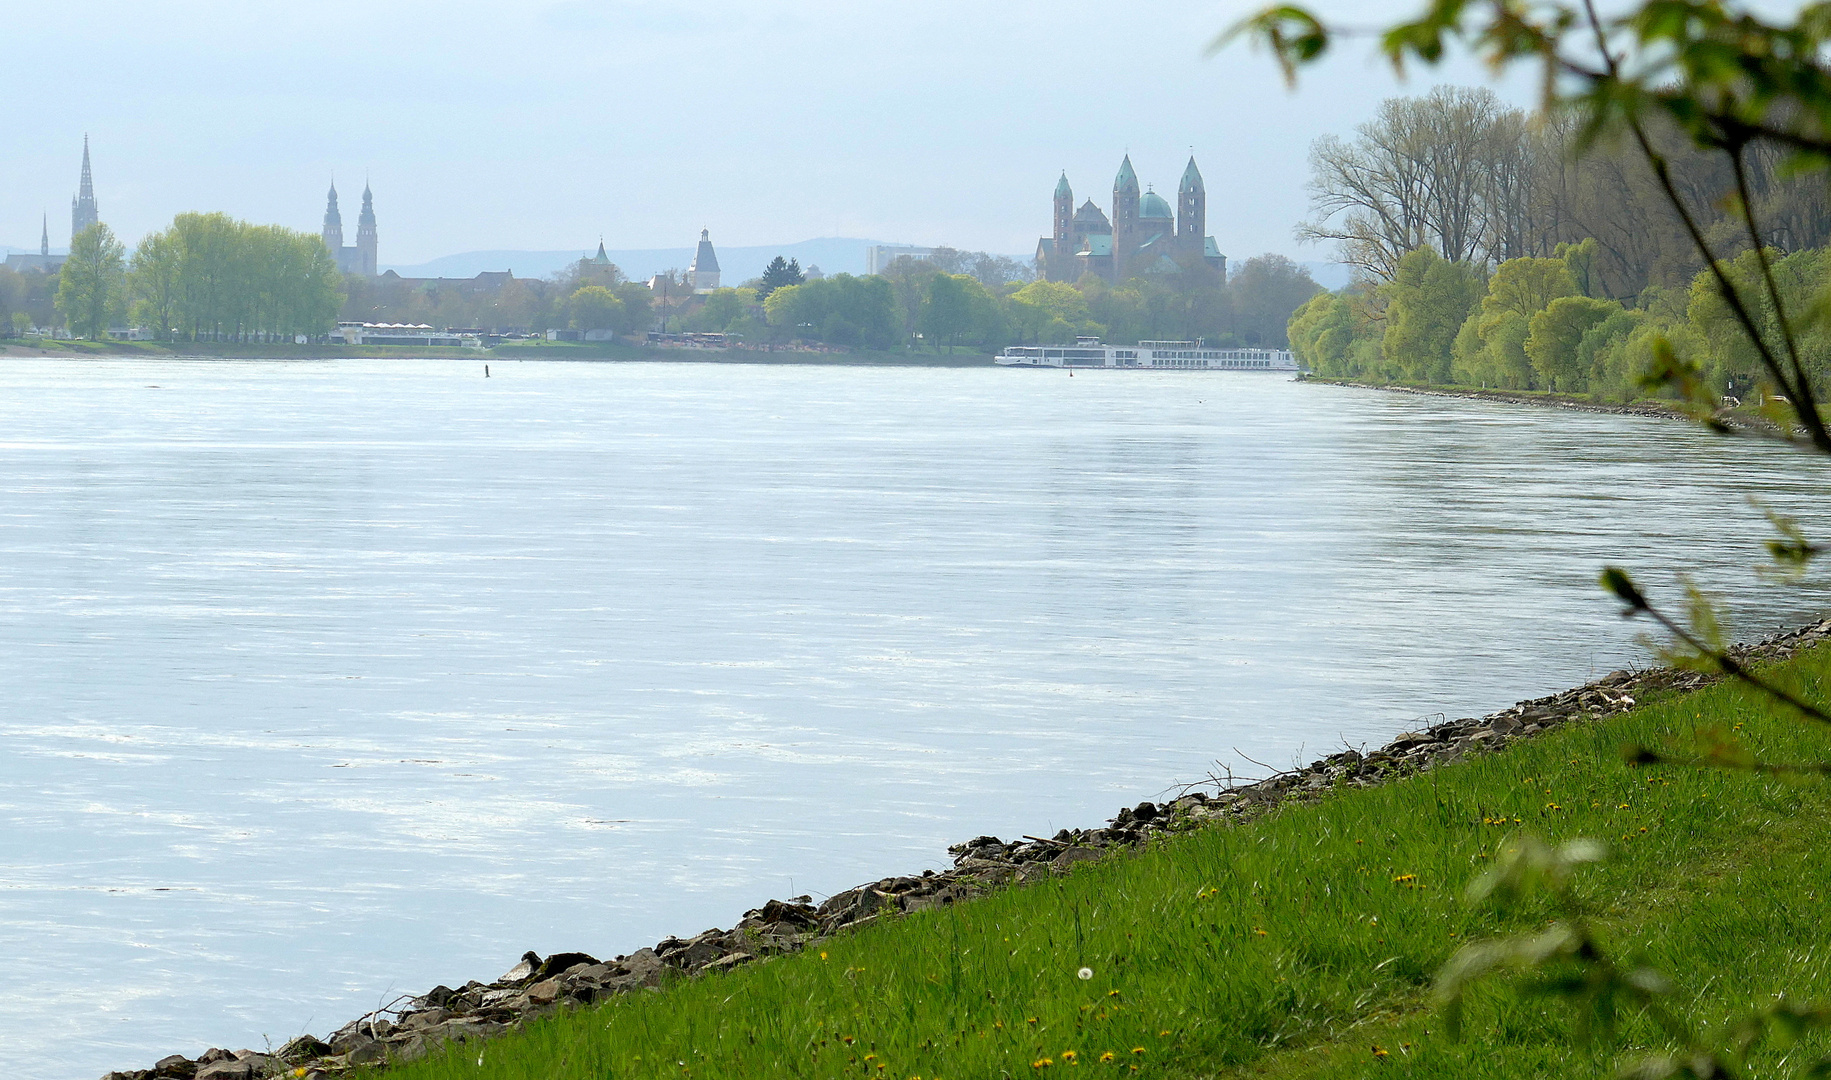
[(546, 124)]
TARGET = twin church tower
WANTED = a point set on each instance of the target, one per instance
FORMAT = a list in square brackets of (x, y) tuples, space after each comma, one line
[(1143, 236), (350, 260)]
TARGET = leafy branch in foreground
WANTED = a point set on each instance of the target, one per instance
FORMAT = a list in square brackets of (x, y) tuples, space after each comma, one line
[(1732, 82)]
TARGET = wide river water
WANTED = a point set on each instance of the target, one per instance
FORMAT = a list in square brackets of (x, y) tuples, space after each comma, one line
[(325, 682)]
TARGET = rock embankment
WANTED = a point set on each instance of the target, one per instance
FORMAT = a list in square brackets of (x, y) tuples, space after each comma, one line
[(412, 1027)]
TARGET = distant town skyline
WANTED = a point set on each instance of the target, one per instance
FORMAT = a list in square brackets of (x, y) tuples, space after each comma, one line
[(922, 125)]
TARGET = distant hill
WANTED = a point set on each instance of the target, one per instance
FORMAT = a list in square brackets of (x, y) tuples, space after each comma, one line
[(834, 255), (1330, 275)]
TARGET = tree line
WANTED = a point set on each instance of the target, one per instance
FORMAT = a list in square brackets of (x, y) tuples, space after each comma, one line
[(1460, 173), (1546, 323), (916, 303), (206, 277)]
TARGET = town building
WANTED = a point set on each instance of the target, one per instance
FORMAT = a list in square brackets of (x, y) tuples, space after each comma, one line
[(1143, 236), (360, 259), (42, 263), (704, 271), (878, 257), (83, 210), (599, 270)]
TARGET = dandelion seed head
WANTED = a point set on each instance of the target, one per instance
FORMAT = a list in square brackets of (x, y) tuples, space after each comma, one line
[(1084, 974)]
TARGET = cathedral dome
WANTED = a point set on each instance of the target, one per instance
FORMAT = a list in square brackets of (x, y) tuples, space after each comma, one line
[(1154, 206)]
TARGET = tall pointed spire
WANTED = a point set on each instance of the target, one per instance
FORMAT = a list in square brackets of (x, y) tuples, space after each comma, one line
[(83, 211), (44, 238)]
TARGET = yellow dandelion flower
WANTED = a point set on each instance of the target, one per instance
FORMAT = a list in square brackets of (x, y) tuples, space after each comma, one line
[(1041, 1063), (1259, 932), (1108, 1058), (1139, 1050), (1112, 993), (1378, 1052), (869, 1057), (1162, 1034), (1069, 1056), (1030, 1020), (823, 956)]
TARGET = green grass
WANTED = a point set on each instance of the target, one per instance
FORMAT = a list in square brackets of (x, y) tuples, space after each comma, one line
[(1291, 946)]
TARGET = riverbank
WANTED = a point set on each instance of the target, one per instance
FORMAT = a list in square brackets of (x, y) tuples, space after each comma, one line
[(1155, 941), (1544, 398), (528, 350)]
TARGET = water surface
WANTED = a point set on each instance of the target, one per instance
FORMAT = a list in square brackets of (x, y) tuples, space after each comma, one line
[(325, 682)]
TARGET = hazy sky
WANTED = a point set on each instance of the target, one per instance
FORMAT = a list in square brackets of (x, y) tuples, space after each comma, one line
[(542, 125)]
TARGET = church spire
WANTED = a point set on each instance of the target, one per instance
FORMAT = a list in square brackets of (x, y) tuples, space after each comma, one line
[(87, 191), (44, 238), (366, 242), (83, 211)]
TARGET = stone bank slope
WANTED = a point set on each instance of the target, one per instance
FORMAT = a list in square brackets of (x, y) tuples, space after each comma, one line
[(412, 1027)]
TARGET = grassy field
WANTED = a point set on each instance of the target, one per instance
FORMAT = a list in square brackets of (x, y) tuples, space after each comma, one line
[(1300, 945)]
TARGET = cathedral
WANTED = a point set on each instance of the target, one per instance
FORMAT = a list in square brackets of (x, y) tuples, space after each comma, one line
[(1142, 237), (350, 260)]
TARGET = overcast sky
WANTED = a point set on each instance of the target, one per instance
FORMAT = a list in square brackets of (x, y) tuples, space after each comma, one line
[(541, 125)]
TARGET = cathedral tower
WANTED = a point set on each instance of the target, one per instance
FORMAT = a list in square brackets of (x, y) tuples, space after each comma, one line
[(1064, 218), (366, 241), (83, 212), (1125, 217), (1191, 210), (333, 224)]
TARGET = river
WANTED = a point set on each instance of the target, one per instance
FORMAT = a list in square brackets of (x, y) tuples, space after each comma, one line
[(329, 681)]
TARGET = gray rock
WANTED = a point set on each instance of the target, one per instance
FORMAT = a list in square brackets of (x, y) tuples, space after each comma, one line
[(303, 1049), (176, 1065), (530, 962), (1067, 860), (227, 1070), (425, 1018)]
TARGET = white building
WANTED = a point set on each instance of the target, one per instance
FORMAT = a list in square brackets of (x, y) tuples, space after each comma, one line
[(878, 257)]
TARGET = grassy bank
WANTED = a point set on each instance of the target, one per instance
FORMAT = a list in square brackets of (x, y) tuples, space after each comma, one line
[(1298, 945)]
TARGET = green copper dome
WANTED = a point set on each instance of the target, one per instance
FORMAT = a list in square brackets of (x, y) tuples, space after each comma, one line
[(1154, 206)]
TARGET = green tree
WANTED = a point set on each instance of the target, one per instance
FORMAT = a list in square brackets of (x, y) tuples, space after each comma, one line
[(92, 288), (1427, 301), (778, 274), (946, 311), (723, 308), (1263, 294), (1555, 335), (595, 308), (1050, 311)]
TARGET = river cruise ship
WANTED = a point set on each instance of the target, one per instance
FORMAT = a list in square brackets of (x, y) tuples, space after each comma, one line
[(1147, 356)]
